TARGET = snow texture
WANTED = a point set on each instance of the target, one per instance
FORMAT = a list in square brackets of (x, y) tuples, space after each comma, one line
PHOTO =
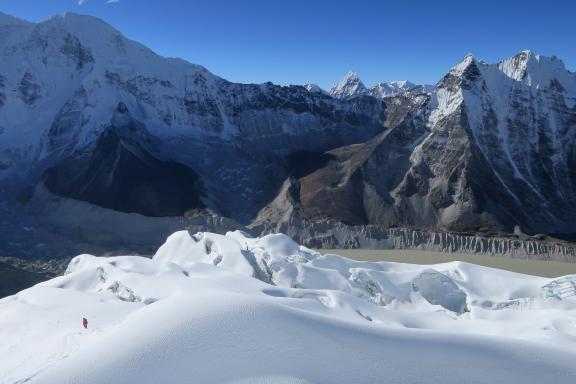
[(213, 308)]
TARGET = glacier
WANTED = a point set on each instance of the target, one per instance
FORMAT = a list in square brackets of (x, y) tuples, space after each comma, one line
[(236, 309)]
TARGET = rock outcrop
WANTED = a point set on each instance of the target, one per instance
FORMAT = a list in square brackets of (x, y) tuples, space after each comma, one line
[(334, 235)]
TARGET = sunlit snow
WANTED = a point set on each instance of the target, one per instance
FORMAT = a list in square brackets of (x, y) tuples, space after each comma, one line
[(213, 308)]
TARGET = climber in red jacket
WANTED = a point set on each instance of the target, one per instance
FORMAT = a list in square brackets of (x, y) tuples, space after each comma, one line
[(85, 322)]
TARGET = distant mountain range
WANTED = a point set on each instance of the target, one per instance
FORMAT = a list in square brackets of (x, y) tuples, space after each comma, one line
[(351, 86), (88, 115)]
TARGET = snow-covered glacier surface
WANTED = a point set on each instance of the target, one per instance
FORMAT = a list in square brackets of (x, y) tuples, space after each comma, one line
[(212, 308)]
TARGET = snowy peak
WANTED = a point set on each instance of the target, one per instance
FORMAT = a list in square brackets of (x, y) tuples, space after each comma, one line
[(526, 67), (106, 43), (463, 66), (350, 76), (81, 37), (314, 88), (536, 70), (349, 87), (462, 75), (521, 113), (516, 67)]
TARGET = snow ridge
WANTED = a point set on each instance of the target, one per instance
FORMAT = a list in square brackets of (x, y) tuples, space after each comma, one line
[(207, 301)]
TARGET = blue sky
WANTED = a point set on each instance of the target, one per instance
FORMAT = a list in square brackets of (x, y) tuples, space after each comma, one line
[(297, 41)]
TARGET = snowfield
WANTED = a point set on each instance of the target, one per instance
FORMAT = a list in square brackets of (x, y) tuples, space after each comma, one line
[(209, 308)]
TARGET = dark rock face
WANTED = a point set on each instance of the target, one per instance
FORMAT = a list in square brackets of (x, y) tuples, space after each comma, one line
[(2, 91), (352, 183), (73, 49), (63, 133), (302, 163), (29, 89), (121, 174)]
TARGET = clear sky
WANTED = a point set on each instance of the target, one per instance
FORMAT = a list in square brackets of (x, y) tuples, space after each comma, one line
[(300, 41)]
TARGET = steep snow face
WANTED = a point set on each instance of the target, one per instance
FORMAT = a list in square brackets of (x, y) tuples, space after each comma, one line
[(62, 79), (239, 309), (511, 124), (523, 82), (348, 87), (538, 71), (522, 115)]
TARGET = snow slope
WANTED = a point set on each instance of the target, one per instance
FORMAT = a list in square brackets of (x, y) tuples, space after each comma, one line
[(211, 308)]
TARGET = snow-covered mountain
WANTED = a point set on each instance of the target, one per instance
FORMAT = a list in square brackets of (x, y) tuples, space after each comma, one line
[(240, 309), (350, 86), (391, 88), (402, 87), (511, 126), (72, 71), (491, 149), (63, 81), (88, 115)]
